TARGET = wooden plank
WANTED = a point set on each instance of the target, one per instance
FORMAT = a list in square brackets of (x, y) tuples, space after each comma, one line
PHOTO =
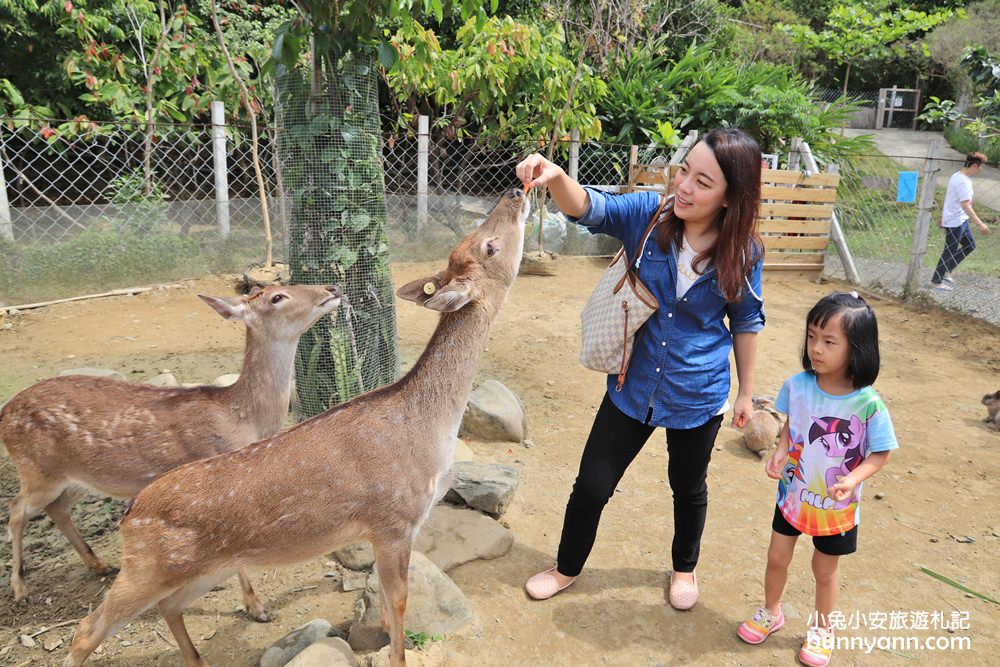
[(794, 226), (655, 177), (796, 210), (796, 242), (799, 178), (793, 271), (798, 194), (793, 257)]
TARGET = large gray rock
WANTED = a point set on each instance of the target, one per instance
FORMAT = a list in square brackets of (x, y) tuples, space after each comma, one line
[(95, 372), (289, 646), (494, 413), (453, 536), (327, 652), (357, 556), (488, 487), (435, 605)]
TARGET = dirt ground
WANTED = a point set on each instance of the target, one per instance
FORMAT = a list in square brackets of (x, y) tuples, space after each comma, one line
[(937, 492)]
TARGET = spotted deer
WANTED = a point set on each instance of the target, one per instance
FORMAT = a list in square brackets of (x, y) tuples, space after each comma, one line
[(76, 434), (370, 469)]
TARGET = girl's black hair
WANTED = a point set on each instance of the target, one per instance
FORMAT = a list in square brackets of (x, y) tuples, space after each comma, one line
[(861, 329)]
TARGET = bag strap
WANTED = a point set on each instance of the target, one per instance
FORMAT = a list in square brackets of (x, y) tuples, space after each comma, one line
[(664, 199)]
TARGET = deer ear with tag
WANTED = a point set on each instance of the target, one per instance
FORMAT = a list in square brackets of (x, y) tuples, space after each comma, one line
[(420, 290), (430, 293)]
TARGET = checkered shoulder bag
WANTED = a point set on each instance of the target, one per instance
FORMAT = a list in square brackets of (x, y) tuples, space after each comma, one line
[(617, 308)]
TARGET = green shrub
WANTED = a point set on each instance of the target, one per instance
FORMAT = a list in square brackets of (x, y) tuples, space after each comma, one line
[(964, 142)]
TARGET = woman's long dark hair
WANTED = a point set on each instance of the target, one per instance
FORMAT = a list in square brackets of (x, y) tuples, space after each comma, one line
[(738, 245)]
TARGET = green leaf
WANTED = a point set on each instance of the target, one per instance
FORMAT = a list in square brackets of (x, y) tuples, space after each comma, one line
[(387, 55)]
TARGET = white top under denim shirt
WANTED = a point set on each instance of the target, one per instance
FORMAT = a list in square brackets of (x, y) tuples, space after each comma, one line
[(680, 366)]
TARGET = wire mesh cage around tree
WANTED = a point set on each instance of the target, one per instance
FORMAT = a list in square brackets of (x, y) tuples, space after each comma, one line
[(332, 177)]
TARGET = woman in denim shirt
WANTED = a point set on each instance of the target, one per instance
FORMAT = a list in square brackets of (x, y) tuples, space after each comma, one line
[(703, 264)]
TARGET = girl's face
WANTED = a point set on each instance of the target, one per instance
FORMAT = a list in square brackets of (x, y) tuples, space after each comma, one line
[(828, 348), (699, 186)]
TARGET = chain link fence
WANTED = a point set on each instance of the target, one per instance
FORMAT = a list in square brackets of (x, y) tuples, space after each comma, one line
[(92, 206), (864, 117), (83, 216), (878, 210)]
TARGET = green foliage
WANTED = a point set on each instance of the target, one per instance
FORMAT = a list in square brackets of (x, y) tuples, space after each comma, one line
[(420, 639), (700, 90), (502, 80), (939, 113), (964, 141), (754, 35), (854, 34)]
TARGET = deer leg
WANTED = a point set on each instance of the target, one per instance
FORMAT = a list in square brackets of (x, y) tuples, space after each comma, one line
[(59, 511), (172, 608), (25, 505), (128, 597), (254, 607), (393, 564)]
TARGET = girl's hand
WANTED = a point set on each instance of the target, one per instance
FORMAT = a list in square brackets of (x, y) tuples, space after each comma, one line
[(535, 171), (775, 462), (842, 490), (742, 412)]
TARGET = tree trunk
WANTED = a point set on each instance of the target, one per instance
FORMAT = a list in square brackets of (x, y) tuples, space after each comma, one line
[(333, 174)]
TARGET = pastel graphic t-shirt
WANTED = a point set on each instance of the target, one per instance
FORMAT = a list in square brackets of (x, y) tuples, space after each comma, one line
[(830, 436)]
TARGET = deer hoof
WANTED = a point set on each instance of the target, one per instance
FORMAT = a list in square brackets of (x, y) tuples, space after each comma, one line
[(261, 616)]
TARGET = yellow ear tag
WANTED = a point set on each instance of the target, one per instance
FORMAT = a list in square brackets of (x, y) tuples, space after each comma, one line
[(429, 288)]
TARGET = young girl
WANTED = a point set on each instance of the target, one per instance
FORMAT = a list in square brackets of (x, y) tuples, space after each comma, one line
[(703, 265), (837, 435)]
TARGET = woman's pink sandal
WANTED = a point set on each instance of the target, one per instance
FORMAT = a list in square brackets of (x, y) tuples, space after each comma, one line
[(543, 585), (683, 594)]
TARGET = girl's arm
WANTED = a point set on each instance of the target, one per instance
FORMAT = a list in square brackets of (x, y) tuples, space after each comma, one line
[(535, 171), (745, 351), (776, 461), (844, 489)]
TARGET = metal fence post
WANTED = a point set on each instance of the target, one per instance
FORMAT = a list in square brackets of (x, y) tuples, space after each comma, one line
[(221, 168), (836, 232), (6, 226), (574, 153), (423, 154), (927, 191)]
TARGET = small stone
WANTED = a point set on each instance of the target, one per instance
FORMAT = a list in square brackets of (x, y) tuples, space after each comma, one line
[(126, 643), (53, 644), (27, 641), (965, 539), (935, 540), (879, 496), (354, 581), (550, 383)]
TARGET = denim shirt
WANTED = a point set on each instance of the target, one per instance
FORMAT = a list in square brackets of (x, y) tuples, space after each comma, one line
[(680, 366)]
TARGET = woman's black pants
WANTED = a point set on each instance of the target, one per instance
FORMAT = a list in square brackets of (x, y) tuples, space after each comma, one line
[(615, 440)]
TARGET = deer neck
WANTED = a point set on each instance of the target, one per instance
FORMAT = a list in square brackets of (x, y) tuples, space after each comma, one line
[(440, 381), (264, 388)]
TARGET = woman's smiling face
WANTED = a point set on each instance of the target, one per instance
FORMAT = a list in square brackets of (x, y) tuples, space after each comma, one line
[(699, 186)]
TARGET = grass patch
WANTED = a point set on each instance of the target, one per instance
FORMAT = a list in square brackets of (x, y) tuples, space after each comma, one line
[(99, 260), (877, 227)]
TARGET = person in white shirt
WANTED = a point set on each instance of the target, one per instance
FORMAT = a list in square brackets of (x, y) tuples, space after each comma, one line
[(955, 216)]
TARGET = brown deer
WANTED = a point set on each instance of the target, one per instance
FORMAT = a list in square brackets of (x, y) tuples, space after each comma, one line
[(370, 469), (74, 434)]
